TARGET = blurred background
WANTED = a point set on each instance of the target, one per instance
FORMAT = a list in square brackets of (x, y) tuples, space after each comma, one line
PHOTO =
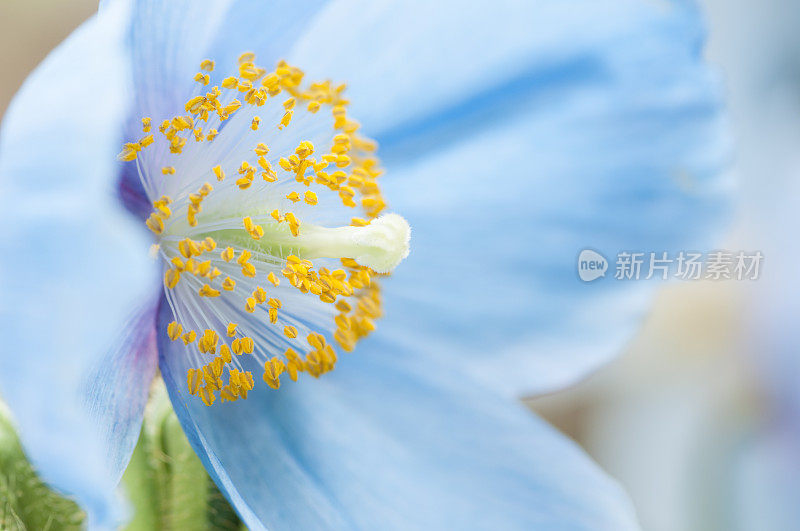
[(699, 418)]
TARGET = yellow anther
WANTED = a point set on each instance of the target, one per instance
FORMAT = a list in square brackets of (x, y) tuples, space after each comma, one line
[(155, 223), (181, 123), (230, 83), (168, 170), (273, 369), (261, 149), (247, 57), (342, 306), (202, 78), (208, 244), (294, 197), (146, 141), (287, 117), (255, 231), (227, 254), (244, 257), (289, 104), (203, 268), (171, 278), (275, 303), (310, 197), (207, 65), (248, 345), (189, 337), (290, 332), (292, 368), (208, 342), (208, 291), (228, 284), (225, 353), (313, 106), (246, 86), (273, 279), (212, 134), (273, 315), (342, 321), (250, 304), (260, 295), (249, 270), (194, 105), (236, 346), (255, 123), (207, 395), (231, 331), (174, 330), (315, 341), (146, 124), (194, 379)]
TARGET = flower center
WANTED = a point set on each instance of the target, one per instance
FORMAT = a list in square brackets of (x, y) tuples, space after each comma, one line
[(288, 168)]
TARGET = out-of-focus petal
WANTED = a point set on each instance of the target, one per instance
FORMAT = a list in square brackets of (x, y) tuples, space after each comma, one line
[(74, 264), (514, 137), (268, 29), (169, 40), (764, 481), (116, 391), (384, 442)]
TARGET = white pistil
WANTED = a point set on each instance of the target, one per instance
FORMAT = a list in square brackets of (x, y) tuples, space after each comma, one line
[(381, 245)]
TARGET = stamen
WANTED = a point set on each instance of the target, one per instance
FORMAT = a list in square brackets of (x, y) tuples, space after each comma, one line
[(248, 319)]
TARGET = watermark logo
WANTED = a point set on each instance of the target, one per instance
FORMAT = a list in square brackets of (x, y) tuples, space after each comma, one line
[(681, 265), (591, 265)]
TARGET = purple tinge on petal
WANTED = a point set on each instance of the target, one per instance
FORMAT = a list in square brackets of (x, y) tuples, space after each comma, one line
[(116, 392), (130, 192)]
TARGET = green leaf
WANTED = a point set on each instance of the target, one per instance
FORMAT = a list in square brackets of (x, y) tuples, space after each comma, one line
[(166, 483), (26, 503)]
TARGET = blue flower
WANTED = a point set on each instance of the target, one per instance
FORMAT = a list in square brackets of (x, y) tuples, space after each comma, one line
[(512, 135)]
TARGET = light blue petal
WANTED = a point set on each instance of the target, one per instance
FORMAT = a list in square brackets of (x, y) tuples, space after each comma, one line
[(117, 390), (269, 29), (385, 443), (514, 137), (74, 266), (169, 39), (762, 482)]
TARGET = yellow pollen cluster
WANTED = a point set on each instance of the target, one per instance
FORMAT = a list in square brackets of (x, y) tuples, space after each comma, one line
[(263, 239)]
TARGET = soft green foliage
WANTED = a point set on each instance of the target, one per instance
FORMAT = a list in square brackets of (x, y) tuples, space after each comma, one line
[(166, 483), (26, 503)]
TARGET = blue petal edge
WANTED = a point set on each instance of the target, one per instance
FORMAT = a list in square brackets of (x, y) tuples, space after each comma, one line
[(75, 264)]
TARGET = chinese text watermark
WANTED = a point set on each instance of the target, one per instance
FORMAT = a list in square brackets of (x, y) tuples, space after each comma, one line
[(681, 265)]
